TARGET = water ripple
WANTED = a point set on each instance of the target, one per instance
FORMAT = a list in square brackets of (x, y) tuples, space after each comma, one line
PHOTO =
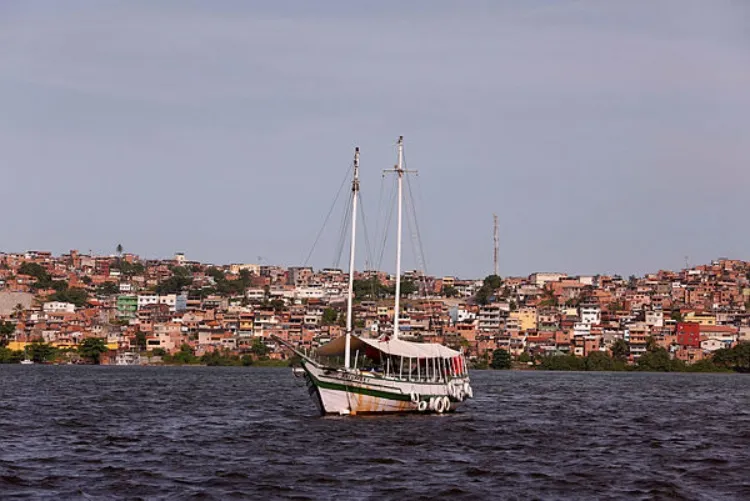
[(99, 433)]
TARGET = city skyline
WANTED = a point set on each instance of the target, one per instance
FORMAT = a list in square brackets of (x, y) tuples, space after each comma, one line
[(607, 138)]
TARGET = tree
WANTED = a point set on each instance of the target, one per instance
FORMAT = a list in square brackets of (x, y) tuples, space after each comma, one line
[(259, 348), (500, 359), (676, 315), (37, 271), (450, 291), (278, 305), (562, 363), (524, 357), (18, 311), (6, 329), (620, 350), (107, 289), (140, 340), (173, 285), (329, 316), (40, 351), (599, 361), (490, 284), (119, 249), (184, 356), (92, 348), (75, 295), (658, 360)]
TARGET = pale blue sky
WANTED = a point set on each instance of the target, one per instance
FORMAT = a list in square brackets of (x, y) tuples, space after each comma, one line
[(608, 136)]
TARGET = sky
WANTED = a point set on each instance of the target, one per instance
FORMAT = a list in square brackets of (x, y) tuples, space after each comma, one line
[(608, 137)]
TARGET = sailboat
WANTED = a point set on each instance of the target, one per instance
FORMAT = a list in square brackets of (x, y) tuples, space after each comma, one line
[(26, 360), (388, 374)]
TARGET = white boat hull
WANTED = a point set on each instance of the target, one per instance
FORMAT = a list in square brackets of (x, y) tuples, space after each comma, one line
[(351, 393)]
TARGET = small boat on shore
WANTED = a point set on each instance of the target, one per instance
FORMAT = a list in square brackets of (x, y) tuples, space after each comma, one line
[(388, 374)]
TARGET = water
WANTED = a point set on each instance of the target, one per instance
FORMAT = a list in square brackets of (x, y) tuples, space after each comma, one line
[(237, 433)]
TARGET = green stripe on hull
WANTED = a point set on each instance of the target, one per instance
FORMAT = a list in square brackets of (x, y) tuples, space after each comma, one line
[(367, 391)]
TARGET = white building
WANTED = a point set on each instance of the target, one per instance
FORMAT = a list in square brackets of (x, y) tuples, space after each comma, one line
[(591, 315), (174, 301), (655, 318), (58, 307), (542, 278)]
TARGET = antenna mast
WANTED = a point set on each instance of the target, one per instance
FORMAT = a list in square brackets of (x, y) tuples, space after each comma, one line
[(350, 295), (497, 243)]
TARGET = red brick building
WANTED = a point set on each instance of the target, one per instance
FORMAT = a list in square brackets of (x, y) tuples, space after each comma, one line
[(689, 334)]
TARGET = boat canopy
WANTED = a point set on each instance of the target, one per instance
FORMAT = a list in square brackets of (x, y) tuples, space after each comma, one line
[(393, 347)]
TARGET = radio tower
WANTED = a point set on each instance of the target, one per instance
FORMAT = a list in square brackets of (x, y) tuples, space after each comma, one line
[(497, 243)]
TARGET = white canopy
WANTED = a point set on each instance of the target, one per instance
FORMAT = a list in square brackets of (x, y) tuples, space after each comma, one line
[(395, 347)]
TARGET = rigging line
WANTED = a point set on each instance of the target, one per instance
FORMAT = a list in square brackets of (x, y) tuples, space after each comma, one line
[(379, 213), (343, 231), (418, 232), (328, 216), (416, 225), (368, 249), (385, 228)]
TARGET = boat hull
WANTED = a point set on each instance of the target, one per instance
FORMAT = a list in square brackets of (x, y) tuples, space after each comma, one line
[(352, 393)]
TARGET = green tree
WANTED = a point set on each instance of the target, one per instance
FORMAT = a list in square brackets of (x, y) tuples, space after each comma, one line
[(599, 361), (92, 348), (183, 357), (450, 291), (6, 330), (524, 357), (500, 359), (107, 289), (562, 363), (43, 279), (259, 348), (18, 311), (173, 285), (40, 351), (620, 350), (329, 316), (75, 295), (10, 356), (140, 340)]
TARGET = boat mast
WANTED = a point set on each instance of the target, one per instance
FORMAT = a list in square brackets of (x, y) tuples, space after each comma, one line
[(350, 295), (399, 168)]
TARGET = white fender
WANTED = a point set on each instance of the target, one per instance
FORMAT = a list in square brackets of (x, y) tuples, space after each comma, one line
[(432, 403), (446, 404), (422, 406), (439, 405), (414, 397), (470, 392)]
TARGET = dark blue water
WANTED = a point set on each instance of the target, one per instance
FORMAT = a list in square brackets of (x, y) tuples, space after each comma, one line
[(237, 433)]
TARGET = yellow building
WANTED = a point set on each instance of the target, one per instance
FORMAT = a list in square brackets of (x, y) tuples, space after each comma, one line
[(525, 318), (700, 318)]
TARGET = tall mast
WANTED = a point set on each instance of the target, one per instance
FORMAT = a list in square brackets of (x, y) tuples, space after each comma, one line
[(497, 243), (350, 295), (399, 168)]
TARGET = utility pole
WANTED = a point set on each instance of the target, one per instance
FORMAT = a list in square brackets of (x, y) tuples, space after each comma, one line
[(497, 244)]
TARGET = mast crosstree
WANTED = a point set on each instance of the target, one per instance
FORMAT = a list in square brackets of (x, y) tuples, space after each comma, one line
[(399, 170)]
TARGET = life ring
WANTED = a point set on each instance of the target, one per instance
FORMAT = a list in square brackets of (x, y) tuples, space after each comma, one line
[(422, 406), (439, 405), (414, 397)]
